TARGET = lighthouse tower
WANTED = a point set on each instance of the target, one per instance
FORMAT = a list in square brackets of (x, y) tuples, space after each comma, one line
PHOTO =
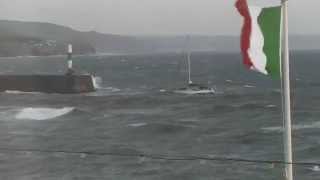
[(70, 70)]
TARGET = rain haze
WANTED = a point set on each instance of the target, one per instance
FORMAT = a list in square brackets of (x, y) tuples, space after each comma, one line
[(158, 90), (151, 17)]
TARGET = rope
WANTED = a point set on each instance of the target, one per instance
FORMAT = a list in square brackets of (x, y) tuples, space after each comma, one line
[(166, 157)]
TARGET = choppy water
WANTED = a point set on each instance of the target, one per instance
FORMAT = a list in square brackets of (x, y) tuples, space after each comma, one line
[(135, 112)]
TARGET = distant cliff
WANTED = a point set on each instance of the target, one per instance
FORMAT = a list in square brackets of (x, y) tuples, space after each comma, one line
[(41, 39), (106, 43)]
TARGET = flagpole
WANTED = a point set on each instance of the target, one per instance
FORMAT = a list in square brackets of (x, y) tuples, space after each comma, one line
[(286, 94)]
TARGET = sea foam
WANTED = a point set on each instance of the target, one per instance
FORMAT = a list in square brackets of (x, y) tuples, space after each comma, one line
[(42, 113), (20, 92)]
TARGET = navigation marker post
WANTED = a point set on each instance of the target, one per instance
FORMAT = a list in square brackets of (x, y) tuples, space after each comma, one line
[(69, 56)]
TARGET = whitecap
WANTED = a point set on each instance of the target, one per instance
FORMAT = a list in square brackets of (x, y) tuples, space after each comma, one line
[(97, 81), (137, 124), (315, 125), (315, 168), (271, 106), (42, 113), (20, 92), (112, 89), (248, 86), (115, 89)]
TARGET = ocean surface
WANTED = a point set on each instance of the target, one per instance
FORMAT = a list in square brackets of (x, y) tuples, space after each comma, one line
[(102, 135)]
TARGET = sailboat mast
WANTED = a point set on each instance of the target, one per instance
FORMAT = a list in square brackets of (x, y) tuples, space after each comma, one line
[(189, 67), (188, 59)]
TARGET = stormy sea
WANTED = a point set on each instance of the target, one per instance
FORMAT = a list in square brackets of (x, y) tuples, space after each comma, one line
[(136, 128)]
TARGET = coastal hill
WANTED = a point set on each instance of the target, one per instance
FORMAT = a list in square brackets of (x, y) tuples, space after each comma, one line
[(41, 39)]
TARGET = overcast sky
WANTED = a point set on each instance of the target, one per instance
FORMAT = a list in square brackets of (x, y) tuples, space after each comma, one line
[(152, 17)]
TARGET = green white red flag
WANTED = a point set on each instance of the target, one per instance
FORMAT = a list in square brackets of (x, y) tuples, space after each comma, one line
[(261, 36)]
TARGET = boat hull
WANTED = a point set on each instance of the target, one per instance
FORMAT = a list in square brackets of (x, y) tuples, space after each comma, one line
[(63, 84)]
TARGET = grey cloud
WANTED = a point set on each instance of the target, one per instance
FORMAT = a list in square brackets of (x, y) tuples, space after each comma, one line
[(209, 17)]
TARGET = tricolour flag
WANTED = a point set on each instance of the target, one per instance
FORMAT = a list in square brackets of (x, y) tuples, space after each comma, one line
[(261, 36)]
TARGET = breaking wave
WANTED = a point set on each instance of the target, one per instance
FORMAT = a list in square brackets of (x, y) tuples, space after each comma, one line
[(315, 125), (97, 82), (112, 89), (42, 113), (249, 86), (137, 124), (315, 168), (20, 92)]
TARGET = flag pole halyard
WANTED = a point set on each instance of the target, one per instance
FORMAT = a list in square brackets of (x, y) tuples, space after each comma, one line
[(286, 93)]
